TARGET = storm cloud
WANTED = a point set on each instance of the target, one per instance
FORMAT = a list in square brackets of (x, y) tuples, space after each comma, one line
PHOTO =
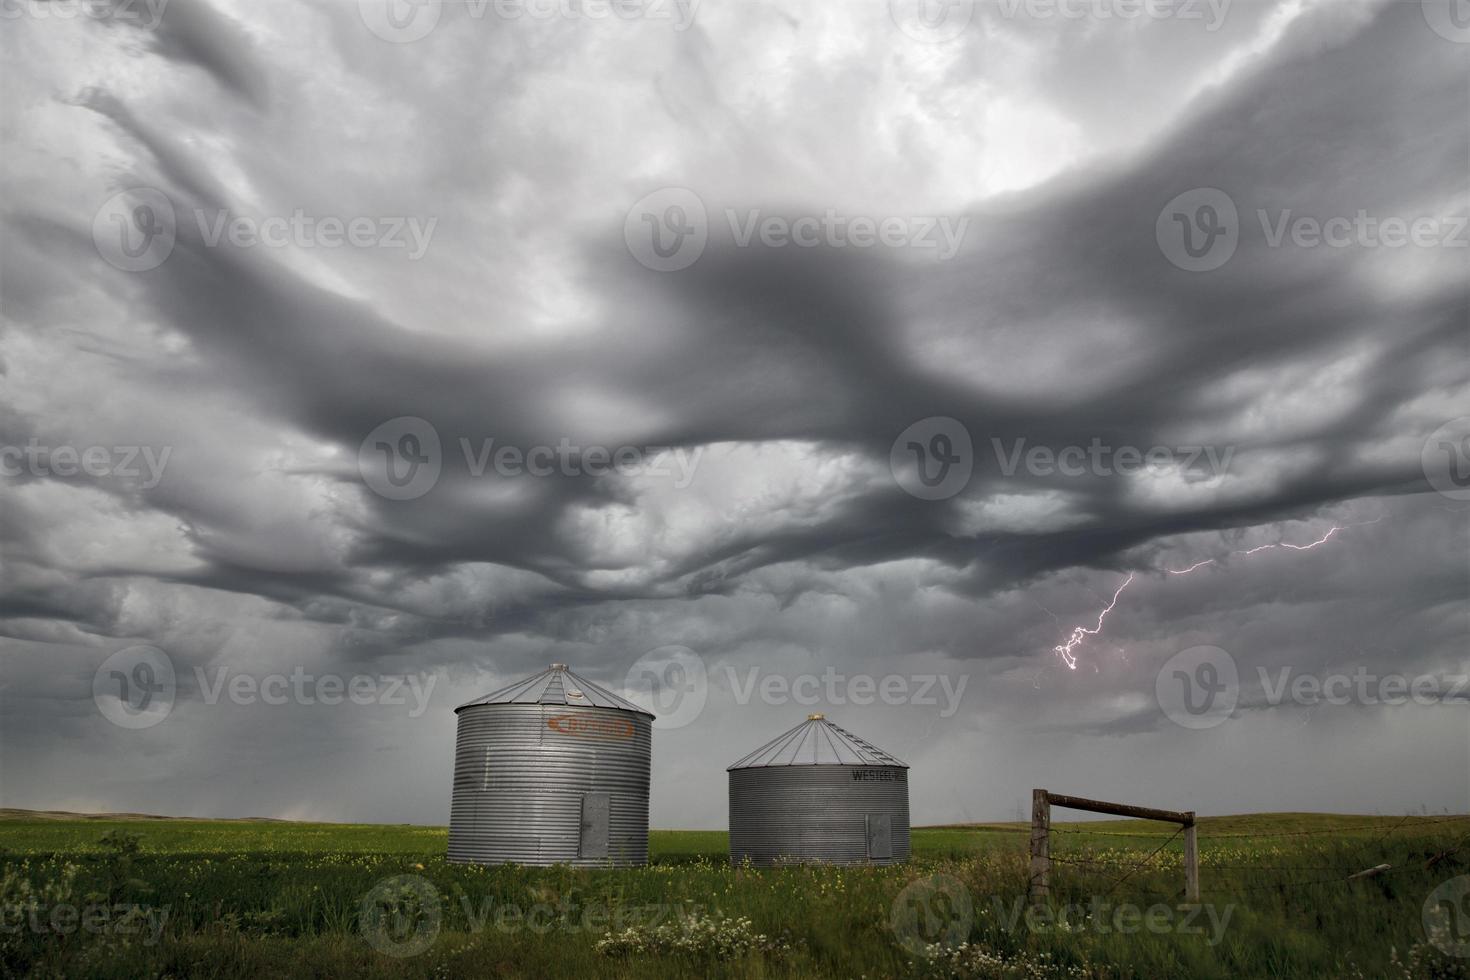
[(492, 175)]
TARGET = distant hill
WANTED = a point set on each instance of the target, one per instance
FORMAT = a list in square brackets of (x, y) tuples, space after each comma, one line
[(15, 813)]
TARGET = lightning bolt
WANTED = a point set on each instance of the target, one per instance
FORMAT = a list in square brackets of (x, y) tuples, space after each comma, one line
[(1081, 633)]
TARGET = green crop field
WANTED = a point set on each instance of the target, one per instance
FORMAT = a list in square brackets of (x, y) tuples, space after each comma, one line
[(120, 897)]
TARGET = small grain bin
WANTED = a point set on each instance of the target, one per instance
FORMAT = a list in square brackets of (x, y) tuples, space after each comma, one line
[(551, 770), (818, 793)]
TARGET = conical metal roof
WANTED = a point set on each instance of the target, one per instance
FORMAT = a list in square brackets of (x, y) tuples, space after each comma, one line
[(557, 685), (817, 742)]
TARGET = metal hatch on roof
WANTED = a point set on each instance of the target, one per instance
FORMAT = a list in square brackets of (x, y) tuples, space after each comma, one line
[(817, 742), (557, 684)]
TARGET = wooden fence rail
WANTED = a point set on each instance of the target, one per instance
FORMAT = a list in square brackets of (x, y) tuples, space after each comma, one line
[(1041, 804)]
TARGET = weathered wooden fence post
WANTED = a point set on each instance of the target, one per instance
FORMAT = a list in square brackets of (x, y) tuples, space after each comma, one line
[(1041, 804), (1191, 860), (1040, 887)]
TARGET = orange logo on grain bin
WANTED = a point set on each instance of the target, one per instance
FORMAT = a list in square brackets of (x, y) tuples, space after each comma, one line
[(591, 726)]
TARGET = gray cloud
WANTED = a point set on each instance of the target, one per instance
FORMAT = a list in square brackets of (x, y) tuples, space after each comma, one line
[(1059, 322)]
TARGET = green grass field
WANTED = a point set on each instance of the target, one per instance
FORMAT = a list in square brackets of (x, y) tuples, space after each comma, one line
[(104, 897)]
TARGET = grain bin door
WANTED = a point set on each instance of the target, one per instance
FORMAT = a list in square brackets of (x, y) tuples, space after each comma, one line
[(595, 811), (880, 836)]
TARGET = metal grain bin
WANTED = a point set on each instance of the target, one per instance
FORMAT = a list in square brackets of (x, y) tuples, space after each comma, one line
[(551, 770), (818, 793)]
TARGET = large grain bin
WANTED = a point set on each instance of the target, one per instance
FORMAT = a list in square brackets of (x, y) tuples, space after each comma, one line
[(818, 793), (552, 769)]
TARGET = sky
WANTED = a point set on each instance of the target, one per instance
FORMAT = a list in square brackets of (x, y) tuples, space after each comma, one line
[(1056, 396)]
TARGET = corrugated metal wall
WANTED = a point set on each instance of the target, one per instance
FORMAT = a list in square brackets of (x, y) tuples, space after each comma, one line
[(521, 772), (790, 814)]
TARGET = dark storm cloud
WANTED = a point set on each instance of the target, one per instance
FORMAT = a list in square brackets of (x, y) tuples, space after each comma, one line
[(1058, 323), (820, 332)]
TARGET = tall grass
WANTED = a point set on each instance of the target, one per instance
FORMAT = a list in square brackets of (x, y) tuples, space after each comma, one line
[(279, 899)]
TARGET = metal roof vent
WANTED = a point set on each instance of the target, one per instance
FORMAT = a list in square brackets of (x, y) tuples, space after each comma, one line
[(817, 742), (557, 684)]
